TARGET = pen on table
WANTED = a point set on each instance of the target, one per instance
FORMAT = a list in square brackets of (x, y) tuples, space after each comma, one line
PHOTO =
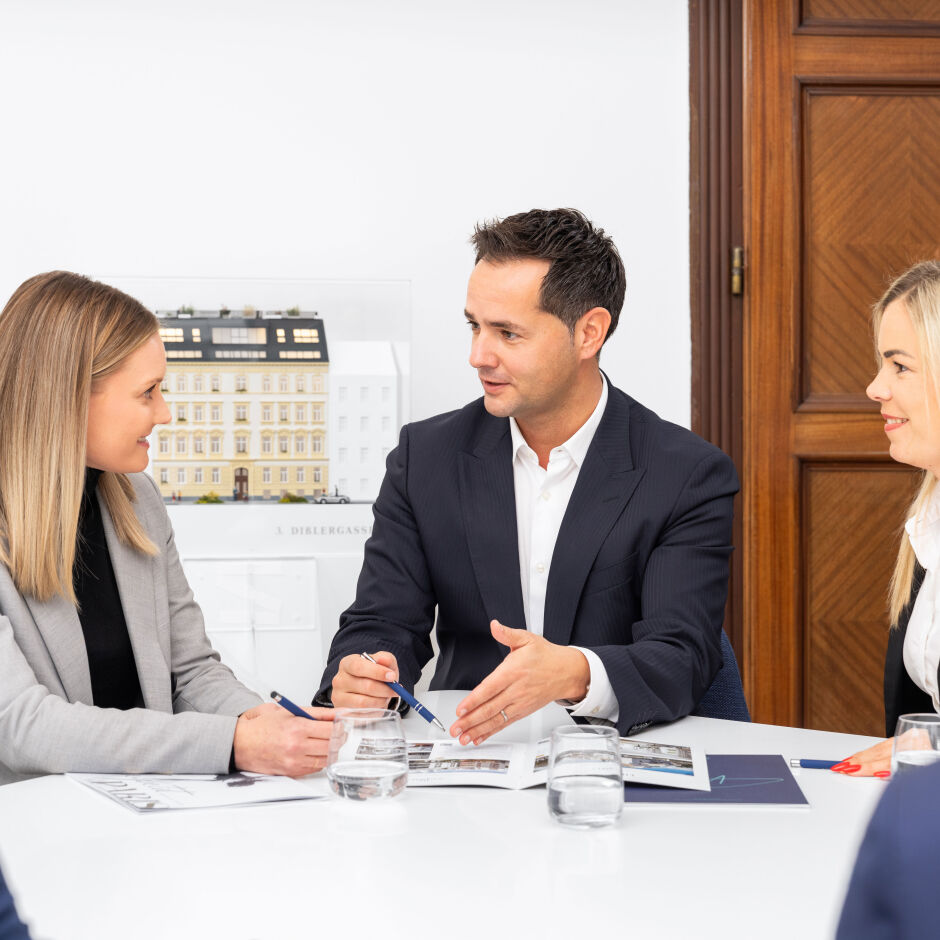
[(813, 764), (285, 702), (401, 691)]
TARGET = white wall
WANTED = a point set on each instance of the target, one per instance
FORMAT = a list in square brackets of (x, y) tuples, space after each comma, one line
[(352, 139)]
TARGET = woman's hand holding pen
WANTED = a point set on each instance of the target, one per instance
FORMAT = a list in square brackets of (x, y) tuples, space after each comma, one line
[(269, 740), (874, 761)]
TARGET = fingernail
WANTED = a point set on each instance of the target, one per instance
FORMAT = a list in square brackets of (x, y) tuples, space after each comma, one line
[(461, 712), (840, 766), (882, 773), (852, 768), (458, 732), (465, 739), (390, 677)]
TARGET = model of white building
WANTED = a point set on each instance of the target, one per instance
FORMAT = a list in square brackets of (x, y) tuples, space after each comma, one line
[(365, 394)]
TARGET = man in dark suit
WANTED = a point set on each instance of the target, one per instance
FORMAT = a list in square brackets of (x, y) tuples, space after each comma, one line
[(573, 545), (893, 891)]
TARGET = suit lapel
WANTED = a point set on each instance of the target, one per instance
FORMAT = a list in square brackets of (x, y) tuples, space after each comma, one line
[(135, 582), (488, 503), (605, 484), (61, 630)]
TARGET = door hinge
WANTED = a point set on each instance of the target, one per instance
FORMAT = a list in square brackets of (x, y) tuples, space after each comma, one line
[(737, 271)]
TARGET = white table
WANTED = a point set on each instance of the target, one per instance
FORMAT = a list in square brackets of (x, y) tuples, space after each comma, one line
[(443, 862)]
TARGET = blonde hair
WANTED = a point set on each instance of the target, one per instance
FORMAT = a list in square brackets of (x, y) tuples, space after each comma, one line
[(59, 333), (918, 289)]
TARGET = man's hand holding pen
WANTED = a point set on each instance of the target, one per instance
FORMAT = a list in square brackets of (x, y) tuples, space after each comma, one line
[(270, 740), (359, 683)]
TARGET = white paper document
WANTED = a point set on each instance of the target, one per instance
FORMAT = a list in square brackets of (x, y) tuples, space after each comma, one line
[(149, 793), (515, 766)]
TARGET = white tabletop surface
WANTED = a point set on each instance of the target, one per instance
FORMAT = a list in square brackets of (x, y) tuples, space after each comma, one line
[(444, 862)]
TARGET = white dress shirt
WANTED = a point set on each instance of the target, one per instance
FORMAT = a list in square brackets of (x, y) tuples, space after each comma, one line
[(922, 640), (541, 500)]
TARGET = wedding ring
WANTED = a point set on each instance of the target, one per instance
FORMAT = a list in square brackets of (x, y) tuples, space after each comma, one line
[(502, 711)]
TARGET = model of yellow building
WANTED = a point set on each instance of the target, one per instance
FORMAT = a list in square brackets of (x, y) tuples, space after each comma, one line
[(249, 398)]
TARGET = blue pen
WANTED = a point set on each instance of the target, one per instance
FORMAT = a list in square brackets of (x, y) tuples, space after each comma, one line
[(401, 691), (813, 764), (285, 702)]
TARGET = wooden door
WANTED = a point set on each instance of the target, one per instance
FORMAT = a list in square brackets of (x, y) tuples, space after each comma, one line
[(841, 191)]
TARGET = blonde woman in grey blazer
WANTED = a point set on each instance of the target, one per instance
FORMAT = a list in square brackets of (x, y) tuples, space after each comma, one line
[(81, 366)]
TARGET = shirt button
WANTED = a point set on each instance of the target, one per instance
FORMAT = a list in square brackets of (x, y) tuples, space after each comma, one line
[(539, 567), (547, 494), (594, 711)]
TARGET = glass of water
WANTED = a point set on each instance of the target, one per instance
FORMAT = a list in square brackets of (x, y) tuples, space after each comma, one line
[(368, 757), (585, 776), (916, 743)]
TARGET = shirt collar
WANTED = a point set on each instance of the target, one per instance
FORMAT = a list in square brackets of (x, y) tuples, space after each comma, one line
[(577, 445), (924, 532)]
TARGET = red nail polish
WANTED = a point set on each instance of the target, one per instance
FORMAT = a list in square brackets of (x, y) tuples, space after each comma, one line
[(852, 768), (882, 773), (840, 766)]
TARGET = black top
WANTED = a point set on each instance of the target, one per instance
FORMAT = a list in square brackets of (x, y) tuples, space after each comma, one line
[(114, 679)]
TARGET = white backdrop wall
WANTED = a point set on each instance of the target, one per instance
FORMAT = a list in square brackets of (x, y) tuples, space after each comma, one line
[(352, 139)]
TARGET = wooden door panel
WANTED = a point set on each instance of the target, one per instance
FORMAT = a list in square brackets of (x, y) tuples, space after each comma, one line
[(851, 516), (841, 191), (888, 14), (870, 160)]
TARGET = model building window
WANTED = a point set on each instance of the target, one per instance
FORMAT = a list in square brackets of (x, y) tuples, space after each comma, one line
[(239, 334), (301, 413), (283, 383), (266, 475), (181, 475), (199, 445), (197, 383), (241, 444), (180, 444), (299, 383), (164, 443), (197, 412), (300, 475), (282, 413), (241, 412), (197, 475), (171, 334), (317, 475), (317, 413), (241, 383), (216, 412), (283, 444), (181, 383), (266, 444), (216, 474), (164, 476), (283, 474), (300, 444), (214, 383), (180, 412), (318, 445), (265, 383), (215, 445)]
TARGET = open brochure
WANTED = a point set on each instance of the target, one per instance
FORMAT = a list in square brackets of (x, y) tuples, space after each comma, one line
[(516, 766), (148, 793)]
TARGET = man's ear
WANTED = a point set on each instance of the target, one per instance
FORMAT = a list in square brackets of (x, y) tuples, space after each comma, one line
[(591, 330)]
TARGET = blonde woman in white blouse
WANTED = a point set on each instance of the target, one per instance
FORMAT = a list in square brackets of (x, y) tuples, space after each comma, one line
[(907, 386)]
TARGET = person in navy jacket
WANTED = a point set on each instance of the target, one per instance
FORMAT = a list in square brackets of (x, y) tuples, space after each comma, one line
[(569, 544)]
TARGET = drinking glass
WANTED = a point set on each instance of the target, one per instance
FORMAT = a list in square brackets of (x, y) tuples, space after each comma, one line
[(585, 776), (367, 758), (916, 743)]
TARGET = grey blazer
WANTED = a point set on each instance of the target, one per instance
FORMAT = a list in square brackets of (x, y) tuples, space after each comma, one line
[(48, 723)]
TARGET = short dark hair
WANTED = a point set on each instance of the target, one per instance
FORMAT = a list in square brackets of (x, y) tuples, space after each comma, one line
[(586, 270)]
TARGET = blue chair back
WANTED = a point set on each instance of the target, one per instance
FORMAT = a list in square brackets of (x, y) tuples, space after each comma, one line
[(725, 696)]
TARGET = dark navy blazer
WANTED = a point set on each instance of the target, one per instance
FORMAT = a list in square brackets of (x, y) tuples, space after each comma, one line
[(11, 927), (893, 892), (639, 572)]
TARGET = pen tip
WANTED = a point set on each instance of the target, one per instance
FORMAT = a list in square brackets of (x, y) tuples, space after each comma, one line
[(274, 695), (440, 725)]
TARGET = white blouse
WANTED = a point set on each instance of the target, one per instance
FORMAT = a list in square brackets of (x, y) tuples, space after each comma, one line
[(922, 640)]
